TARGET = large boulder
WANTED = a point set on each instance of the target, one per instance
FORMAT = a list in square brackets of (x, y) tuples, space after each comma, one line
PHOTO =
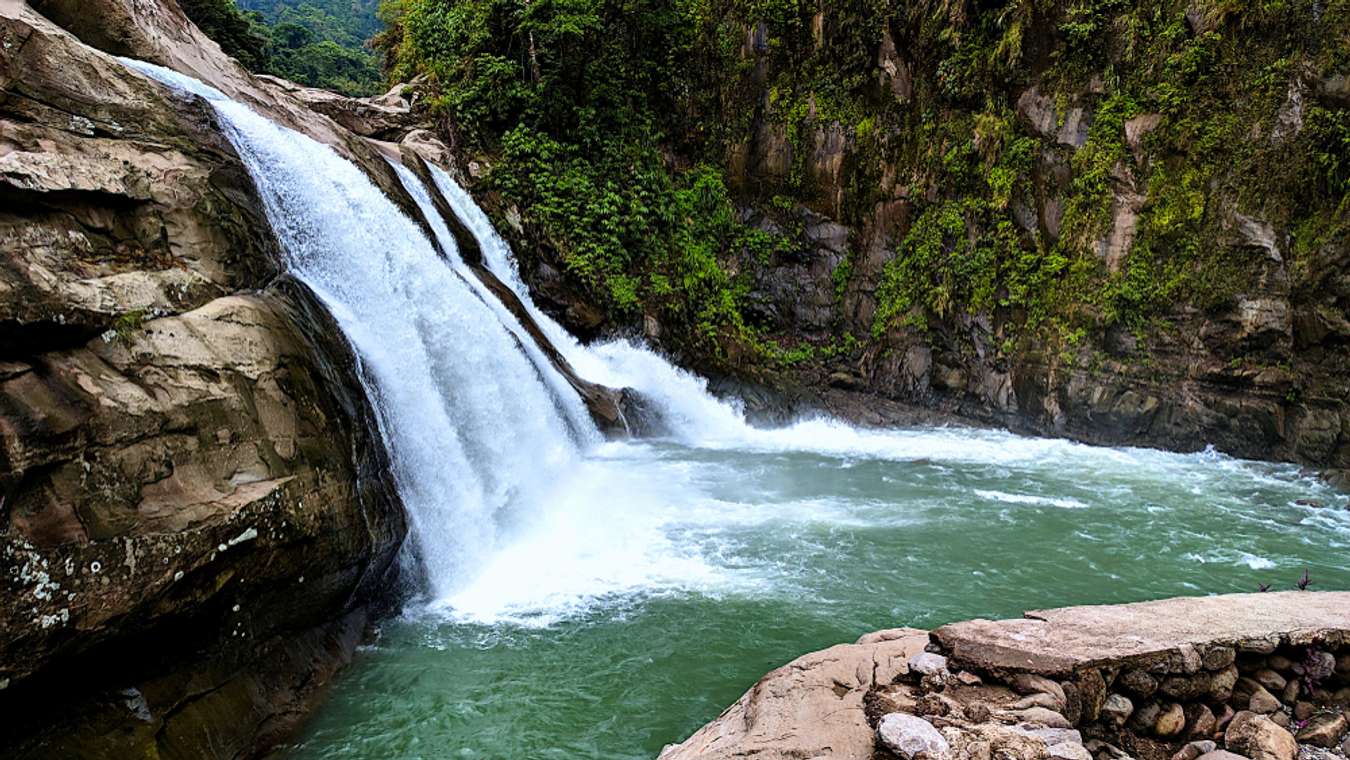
[(811, 707)]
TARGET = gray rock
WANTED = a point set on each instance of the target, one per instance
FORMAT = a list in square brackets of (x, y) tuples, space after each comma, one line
[(1026, 683), (1222, 754), (911, 737), (928, 664), (1039, 715), (1117, 709), (1050, 735), (1068, 751)]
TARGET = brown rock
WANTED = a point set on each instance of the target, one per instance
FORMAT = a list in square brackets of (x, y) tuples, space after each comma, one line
[(1092, 692), (1221, 754), (1062, 641), (810, 707), (1291, 691), (1029, 683), (1324, 730), (1257, 737), (1200, 721), (1218, 658), (1272, 681), (1304, 710), (1223, 717), (1280, 663), (1214, 685), (1263, 702), (1138, 682), (1171, 722)]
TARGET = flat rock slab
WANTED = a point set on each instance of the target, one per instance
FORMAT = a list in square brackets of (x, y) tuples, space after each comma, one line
[(1172, 634), (810, 708)]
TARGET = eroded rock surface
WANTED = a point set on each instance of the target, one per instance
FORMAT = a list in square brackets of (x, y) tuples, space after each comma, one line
[(194, 515)]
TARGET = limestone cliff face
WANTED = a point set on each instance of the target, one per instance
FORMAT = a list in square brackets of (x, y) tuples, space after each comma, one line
[(195, 511)]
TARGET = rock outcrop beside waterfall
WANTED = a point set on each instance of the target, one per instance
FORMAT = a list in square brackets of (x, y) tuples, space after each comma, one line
[(195, 512), (1242, 676)]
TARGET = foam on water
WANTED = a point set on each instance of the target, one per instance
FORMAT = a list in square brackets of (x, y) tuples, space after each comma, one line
[(523, 517)]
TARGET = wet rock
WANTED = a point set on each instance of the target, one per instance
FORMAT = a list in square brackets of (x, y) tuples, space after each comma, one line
[(912, 738), (1170, 722), (1324, 730), (1257, 737)]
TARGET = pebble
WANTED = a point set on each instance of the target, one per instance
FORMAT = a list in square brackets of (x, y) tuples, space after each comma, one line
[(1171, 722)]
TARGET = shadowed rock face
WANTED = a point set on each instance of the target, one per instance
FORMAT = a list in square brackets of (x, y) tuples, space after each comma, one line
[(195, 515)]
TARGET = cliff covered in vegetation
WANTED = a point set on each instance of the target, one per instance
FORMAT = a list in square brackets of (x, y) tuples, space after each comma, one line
[(1116, 221)]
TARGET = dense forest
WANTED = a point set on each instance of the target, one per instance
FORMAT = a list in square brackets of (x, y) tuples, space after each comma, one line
[(319, 43), (653, 141)]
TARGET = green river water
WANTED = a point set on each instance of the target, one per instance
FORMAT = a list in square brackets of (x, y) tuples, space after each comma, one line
[(734, 559)]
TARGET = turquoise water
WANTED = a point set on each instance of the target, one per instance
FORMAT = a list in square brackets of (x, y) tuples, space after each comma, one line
[(679, 587)]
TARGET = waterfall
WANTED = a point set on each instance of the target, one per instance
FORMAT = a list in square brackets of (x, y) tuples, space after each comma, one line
[(475, 432)]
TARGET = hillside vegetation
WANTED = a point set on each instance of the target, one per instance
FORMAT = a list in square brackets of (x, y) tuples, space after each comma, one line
[(635, 136), (319, 43)]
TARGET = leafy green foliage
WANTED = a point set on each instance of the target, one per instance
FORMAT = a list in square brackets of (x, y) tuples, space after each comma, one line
[(318, 43), (623, 128)]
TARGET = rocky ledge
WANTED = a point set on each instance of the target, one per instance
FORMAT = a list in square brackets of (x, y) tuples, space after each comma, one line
[(1258, 676)]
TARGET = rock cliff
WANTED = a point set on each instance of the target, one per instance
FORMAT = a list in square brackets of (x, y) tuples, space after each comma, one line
[(195, 513)]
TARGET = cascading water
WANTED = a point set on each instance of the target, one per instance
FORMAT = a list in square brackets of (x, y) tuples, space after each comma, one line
[(445, 375), (598, 599)]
